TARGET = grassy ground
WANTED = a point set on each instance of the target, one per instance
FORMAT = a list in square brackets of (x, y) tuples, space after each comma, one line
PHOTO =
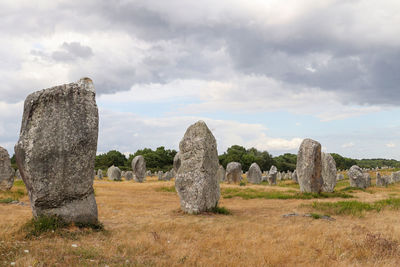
[(143, 226)]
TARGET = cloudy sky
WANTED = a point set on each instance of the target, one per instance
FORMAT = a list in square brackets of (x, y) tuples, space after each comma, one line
[(260, 73)]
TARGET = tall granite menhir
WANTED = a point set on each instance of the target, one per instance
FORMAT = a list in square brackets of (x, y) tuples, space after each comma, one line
[(6, 171), (56, 151), (309, 166), (196, 181)]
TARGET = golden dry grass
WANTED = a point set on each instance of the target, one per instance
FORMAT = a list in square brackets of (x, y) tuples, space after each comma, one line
[(144, 227)]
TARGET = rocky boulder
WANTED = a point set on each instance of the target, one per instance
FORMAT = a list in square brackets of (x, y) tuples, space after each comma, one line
[(56, 151), (221, 173), (357, 177), (196, 180), (139, 168), (100, 174), (114, 174), (128, 175), (328, 172), (272, 175), (254, 174), (233, 172), (6, 171), (309, 166)]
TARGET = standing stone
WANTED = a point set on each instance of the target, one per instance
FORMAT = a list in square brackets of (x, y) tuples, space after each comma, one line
[(339, 177), (18, 175), (123, 174), (56, 151), (328, 172), (381, 181), (367, 179), (160, 175), (114, 173), (148, 173), (279, 176), (395, 177), (221, 173), (100, 174), (168, 175), (309, 166), (128, 175), (357, 178), (233, 172), (139, 168), (254, 174), (6, 171), (294, 176), (177, 162), (272, 175), (196, 181)]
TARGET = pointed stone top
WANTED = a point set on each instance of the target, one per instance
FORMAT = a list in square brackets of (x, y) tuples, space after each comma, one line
[(86, 84)]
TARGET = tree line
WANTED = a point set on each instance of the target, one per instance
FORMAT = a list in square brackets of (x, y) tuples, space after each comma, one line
[(161, 159)]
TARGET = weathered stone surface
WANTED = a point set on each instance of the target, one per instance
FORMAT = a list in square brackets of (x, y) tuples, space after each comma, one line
[(309, 166), (357, 178), (367, 179), (6, 171), (160, 175), (233, 172), (56, 151), (168, 175), (381, 181), (196, 180), (122, 174), (254, 174), (395, 177), (272, 175), (177, 162), (100, 174), (139, 168), (339, 177), (221, 173), (279, 176), (148, 173), (294, 176), (114, 173), (18, 175), (128, 175), (328, 172)]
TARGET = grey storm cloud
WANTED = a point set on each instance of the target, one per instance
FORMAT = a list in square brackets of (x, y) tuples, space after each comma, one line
[(318, 49), (72, 51)]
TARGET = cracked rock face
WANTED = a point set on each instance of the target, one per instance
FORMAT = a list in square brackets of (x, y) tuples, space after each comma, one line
[(139, 168), (196, 180), (309, 166), (6, 171), (328, 172), (56, 151), (254, 175)]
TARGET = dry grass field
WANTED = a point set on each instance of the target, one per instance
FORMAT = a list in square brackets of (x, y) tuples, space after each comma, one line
[(143, 226)]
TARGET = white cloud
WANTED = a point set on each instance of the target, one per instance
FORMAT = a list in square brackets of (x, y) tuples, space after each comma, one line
[(391, 145), (128, 132), (348, 145)]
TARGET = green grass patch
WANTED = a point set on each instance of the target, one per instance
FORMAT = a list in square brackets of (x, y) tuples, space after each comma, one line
[(170, 189), (19, 183), (37, 226), (250, 193), (355, 208), (6, 200), (291, 185), (220, 210), (12, 194)]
